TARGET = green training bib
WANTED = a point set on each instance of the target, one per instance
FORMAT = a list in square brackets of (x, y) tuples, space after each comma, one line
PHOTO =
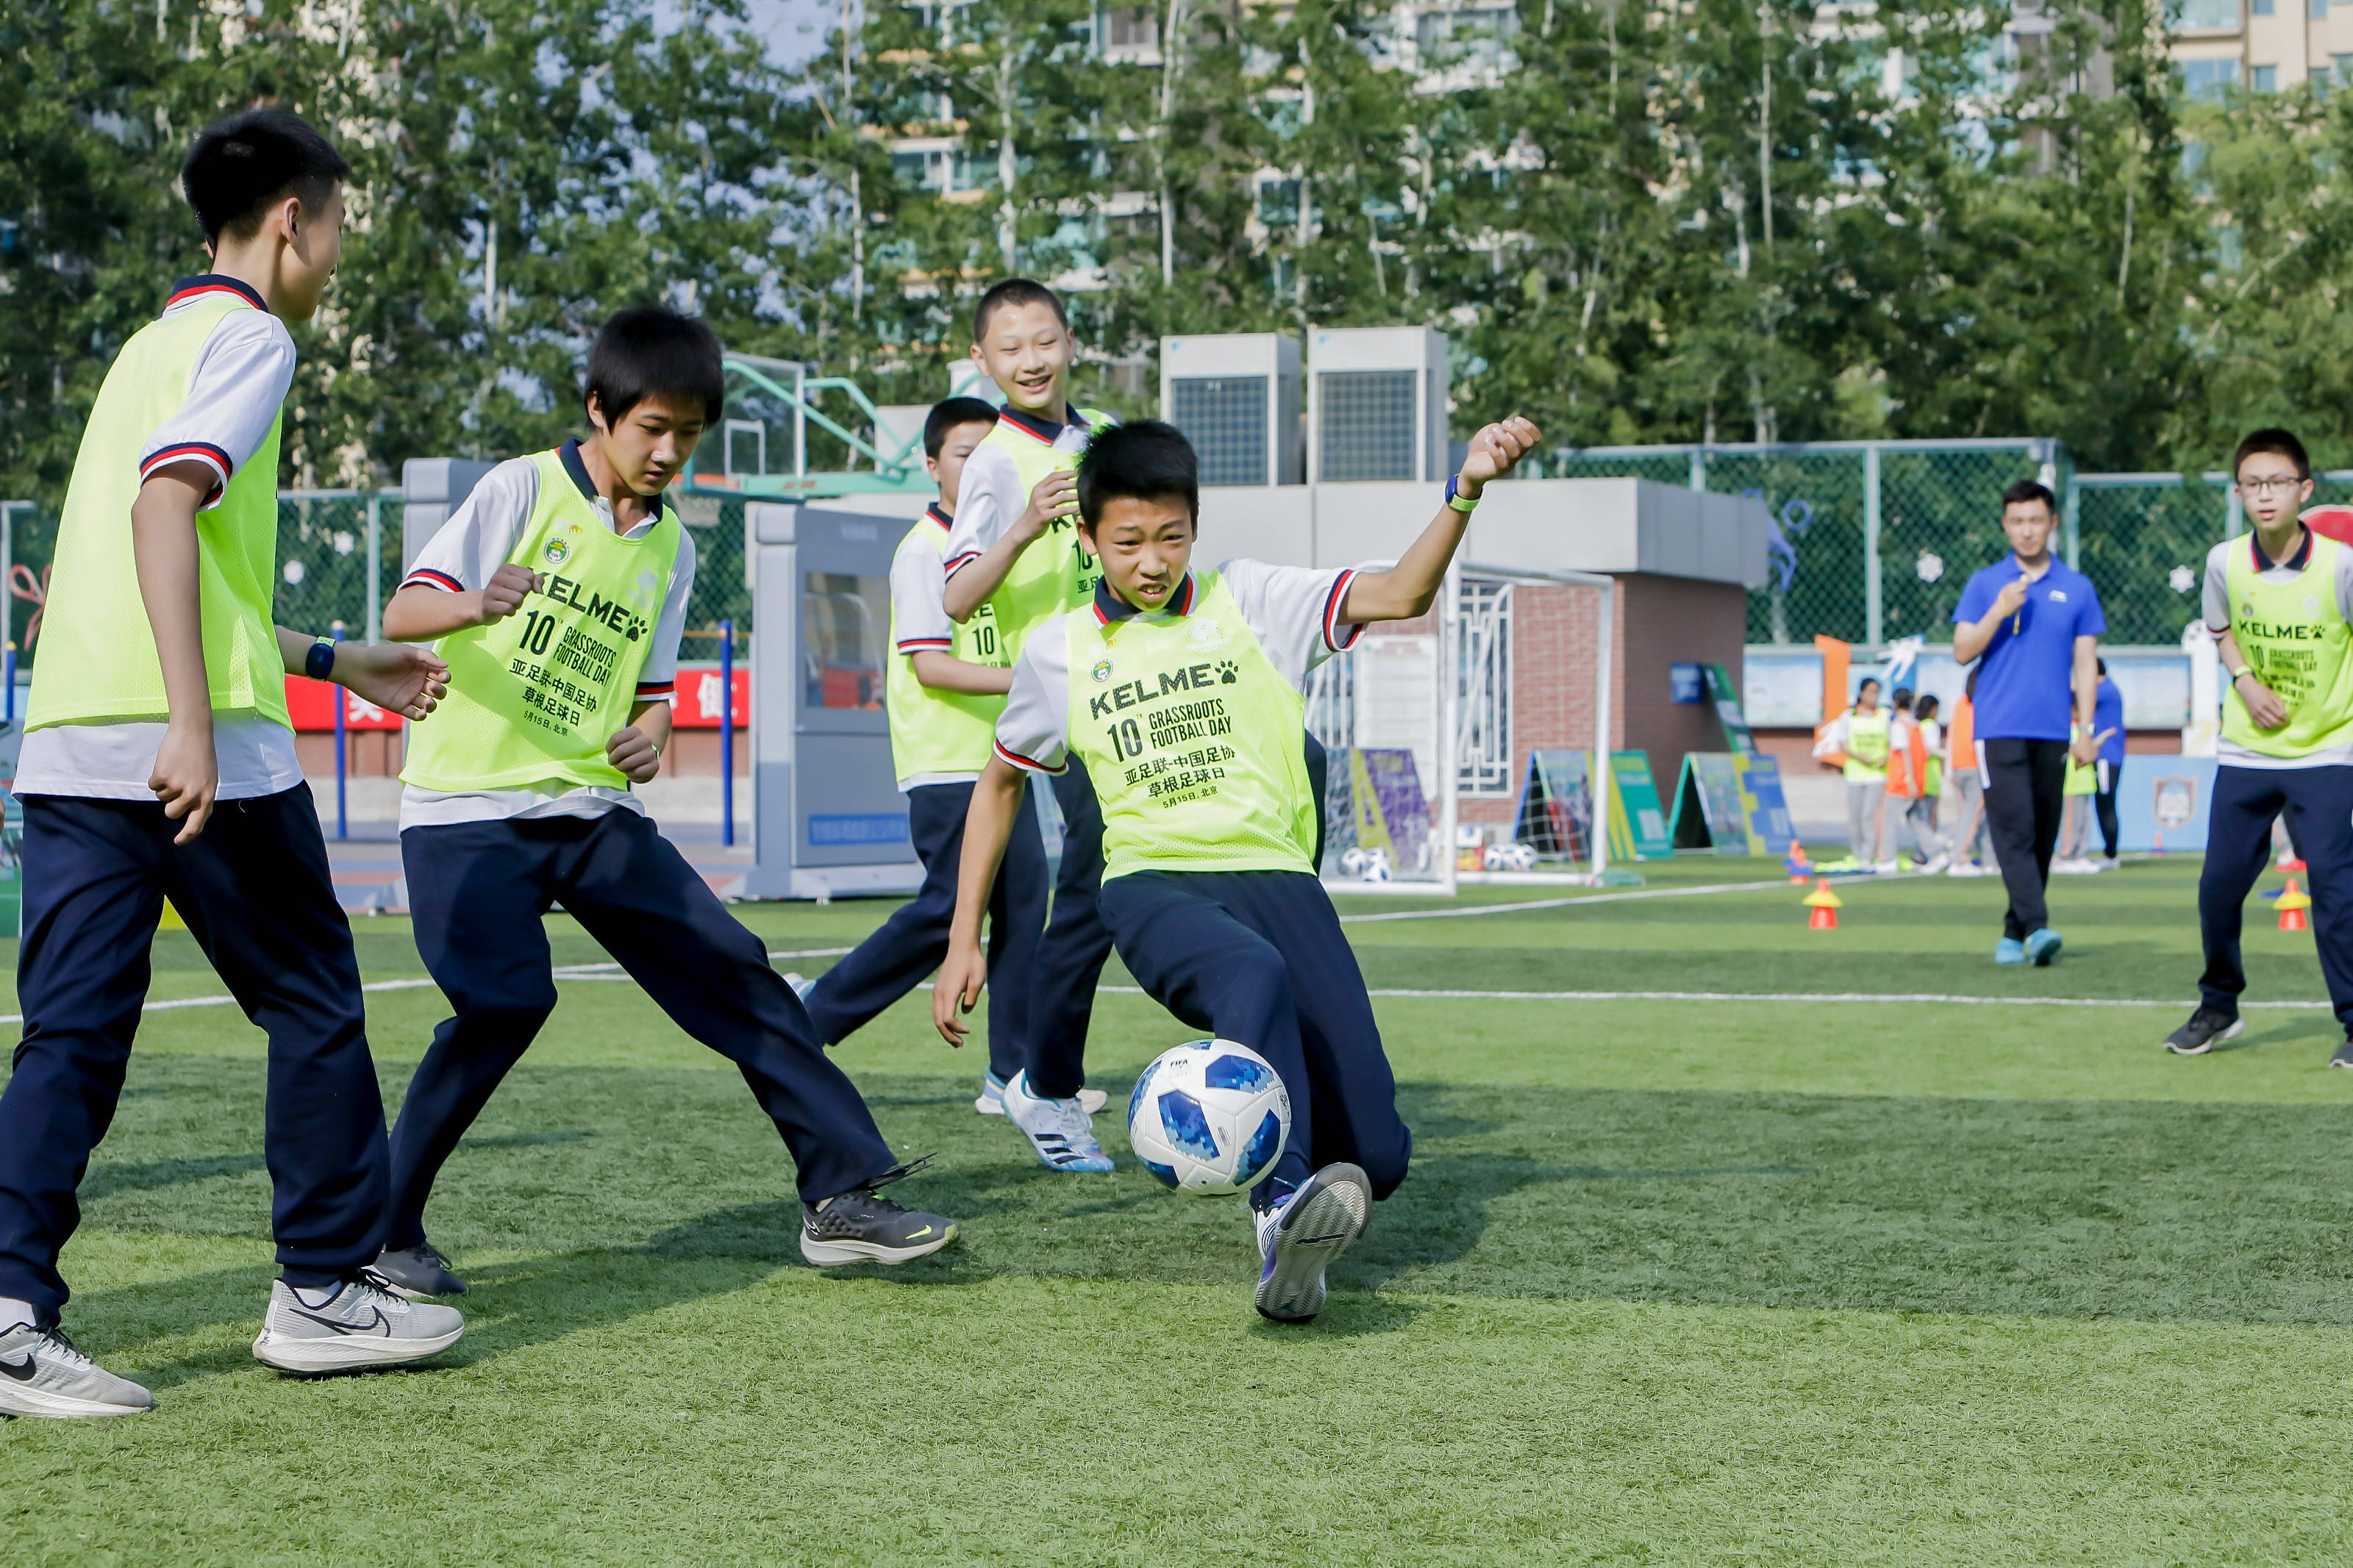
[(534, 698), (98, 660), (1055, 572), (1194, 741), (2294, 640), (941, 731), (1866, 747)]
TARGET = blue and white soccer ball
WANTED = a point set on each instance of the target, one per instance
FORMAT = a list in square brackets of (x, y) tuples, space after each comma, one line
[(1511, 857), (1209, 1117)]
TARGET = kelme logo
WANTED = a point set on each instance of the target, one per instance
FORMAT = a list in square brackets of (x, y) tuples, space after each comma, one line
[(1102, 669), (558, 553)]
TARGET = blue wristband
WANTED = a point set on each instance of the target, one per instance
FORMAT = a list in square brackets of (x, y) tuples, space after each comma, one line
[(320, 662), (1456, 498)]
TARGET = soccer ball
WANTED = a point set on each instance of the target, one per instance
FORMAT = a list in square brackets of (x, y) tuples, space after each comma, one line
[(1354, 862), (1511, 857), (1377, 867), (1209, 1117)]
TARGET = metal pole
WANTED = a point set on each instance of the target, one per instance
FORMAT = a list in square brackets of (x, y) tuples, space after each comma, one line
[(1873, 622), (342, 822), (376, 567), (1699, 467), (1449, 714), (727, 733)]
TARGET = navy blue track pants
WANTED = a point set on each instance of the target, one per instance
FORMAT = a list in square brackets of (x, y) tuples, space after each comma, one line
[(908, 947), (255, 891), (479, 892), (2318, 805), (1258, 957)]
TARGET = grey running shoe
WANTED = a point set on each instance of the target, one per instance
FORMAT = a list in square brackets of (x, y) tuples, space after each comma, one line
[(2344, 1057), (359, 1328), (415, 1272), (41, 1373), (1298, 1240), (861, 1226), (2206, 1026)]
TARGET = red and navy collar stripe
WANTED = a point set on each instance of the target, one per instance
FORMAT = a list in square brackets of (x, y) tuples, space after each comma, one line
[(1038, 426), (207, 283), (426, 577), (939, 514), (956, 562), (915, 645), (2297, 558), (574, 464), (1333, 629), (205, 452), (1110, 607), (656, 687)]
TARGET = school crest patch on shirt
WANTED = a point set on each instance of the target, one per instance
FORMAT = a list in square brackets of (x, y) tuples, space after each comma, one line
[(1102, 669), (556, 553)]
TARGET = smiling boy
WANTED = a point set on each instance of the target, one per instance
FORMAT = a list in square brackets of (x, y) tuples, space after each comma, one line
[(2279, 601), (1181, 692), (558, 592)]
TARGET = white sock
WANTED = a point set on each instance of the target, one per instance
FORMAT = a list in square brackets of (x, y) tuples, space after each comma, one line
[(14, 1314)]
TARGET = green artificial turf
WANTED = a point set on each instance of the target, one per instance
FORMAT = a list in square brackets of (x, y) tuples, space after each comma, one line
[(1672, 1281)]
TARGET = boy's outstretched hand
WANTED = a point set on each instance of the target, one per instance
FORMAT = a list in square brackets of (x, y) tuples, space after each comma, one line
[(957, 992), (409, 681), (1495, 451), (634, 753)]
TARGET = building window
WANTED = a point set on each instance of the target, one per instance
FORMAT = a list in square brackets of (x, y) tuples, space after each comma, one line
[(1482, 738), (2207, 16), (2209, 79), (2260, 7), (2319, 10), (2266, 77), (1225, 418)]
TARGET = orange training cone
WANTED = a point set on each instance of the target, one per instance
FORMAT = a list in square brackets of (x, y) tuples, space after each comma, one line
[(2292, 905), (1825, 906)]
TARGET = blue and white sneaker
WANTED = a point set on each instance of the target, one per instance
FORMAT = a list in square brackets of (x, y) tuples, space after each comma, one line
[(2010, 949), (1305, 1234), (1058, 1129), (991, 1100), (2042, 946)]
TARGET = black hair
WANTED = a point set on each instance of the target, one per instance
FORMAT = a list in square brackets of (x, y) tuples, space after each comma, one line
[(243, 166), (647, 352), (1928, 705), (2276, 441), (949, 413), (2026, 491), (1015, 291), (1903, 698), (1142, 460), (1866, 681), (2103, 664), (1970, 687)]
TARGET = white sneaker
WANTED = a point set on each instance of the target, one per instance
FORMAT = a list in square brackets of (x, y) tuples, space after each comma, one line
[(1058, 1129), (2078, 866), (41, 1373), (2110, 863), (990, 1101), (1935, 864), (1888, 867), (1303, 1235), (359, 1326)]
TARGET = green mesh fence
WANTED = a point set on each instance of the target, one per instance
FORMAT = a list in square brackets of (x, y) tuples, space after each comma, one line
[(2145, 541), (327, 578)]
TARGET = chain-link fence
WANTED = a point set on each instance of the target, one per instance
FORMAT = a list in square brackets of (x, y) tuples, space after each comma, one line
[(338, 556), (1872, 540)]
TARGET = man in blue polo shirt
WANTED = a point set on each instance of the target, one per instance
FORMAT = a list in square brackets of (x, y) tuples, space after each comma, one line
[(2035, 621)]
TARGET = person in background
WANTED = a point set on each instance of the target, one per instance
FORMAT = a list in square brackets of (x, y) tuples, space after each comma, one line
[(1907, 780), (1969, 840), (1857, 742), (1934, 854), (2108, 728), (2075, 822)]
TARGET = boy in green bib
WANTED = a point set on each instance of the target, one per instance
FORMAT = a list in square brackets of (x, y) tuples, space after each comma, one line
[(1181, 691), (2279, 601), (158, 762), (558, 592)]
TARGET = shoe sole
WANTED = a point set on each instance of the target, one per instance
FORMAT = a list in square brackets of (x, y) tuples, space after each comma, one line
[(838, 1254), (43, 1404), (2042, 960), (349, 1352), (1329, 1213), (2237, 1027)]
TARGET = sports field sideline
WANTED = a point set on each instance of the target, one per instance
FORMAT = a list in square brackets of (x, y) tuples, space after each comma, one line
[(1675, 1279)]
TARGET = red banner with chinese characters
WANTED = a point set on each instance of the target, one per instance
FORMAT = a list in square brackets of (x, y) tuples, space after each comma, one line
[(698, 705)]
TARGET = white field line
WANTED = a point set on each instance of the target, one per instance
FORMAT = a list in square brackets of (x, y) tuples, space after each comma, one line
[(417, 982), (1630, 893)]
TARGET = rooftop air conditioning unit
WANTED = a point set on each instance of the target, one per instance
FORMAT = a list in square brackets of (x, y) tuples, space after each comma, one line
[(1379, 408), (1235, 397)]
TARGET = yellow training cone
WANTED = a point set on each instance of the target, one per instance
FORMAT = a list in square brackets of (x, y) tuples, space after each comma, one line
[(1825, 905)]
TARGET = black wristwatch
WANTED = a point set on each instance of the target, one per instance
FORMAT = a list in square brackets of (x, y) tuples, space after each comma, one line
[(319, 664)]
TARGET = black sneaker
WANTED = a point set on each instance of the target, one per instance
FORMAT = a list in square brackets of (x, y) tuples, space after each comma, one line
[(864, 1227), (2344, 1057), (2196, 1037), (417, 1271)]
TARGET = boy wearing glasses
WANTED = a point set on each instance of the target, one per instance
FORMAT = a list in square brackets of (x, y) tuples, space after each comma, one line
[(2278, 601)]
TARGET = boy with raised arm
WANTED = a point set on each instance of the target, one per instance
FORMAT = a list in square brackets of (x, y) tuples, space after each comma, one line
[(159, 763), (1181, 692), (946, 686), (558, 592)]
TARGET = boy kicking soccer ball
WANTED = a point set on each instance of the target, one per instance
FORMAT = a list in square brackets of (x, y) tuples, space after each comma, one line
[(558, 591), (1180, 692)]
